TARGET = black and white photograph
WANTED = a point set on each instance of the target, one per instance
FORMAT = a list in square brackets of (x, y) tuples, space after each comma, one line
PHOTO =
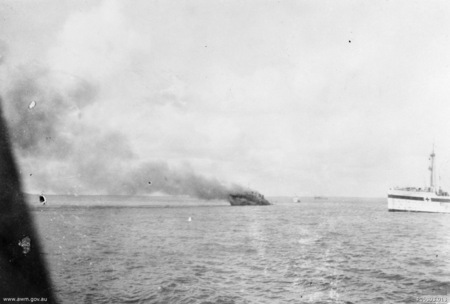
[(224, 151)]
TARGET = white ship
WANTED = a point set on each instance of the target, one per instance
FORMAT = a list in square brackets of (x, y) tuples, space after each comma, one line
[(427, 199)]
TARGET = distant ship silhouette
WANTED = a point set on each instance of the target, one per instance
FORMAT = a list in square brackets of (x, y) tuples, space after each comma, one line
[(249, 198)]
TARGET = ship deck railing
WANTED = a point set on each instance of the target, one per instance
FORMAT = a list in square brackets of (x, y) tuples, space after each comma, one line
[(426, 189)]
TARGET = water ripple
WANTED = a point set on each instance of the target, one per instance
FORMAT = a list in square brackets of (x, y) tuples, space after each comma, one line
[(346, 251)]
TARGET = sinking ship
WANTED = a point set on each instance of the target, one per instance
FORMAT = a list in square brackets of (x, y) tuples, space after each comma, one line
[(414, 199), (250, 198)]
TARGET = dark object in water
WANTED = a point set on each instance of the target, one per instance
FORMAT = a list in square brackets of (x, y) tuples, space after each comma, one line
[(23, 273), (320, 198), (42, 199), (248, 199)]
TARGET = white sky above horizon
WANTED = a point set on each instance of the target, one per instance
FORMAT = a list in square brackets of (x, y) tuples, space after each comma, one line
[(288, 97)]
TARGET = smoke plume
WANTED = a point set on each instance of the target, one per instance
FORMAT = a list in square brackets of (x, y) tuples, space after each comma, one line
[(62, 152), (73, 114)]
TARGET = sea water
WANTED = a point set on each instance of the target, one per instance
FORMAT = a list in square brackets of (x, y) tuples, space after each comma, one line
[(181, 250)]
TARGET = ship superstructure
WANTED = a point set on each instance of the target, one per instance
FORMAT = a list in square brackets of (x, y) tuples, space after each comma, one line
[(415, 199), (250, 198)]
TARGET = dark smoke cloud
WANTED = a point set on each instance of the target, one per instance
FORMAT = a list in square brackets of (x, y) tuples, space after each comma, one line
[(66, 154), (36, 110)]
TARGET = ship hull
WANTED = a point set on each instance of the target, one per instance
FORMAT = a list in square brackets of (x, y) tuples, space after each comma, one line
[(247, 200), (417, 201)]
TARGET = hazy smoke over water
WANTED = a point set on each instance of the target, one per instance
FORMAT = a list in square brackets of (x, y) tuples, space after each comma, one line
[(61, 152), (67, 117), (3, 52)]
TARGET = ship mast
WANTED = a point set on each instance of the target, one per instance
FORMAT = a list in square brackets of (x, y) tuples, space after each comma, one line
[(432, 170)]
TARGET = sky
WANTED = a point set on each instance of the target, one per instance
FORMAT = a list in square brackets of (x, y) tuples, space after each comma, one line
[(333, 98)]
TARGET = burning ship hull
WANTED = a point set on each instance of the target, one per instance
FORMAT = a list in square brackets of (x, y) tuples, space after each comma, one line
[(248, 199)]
